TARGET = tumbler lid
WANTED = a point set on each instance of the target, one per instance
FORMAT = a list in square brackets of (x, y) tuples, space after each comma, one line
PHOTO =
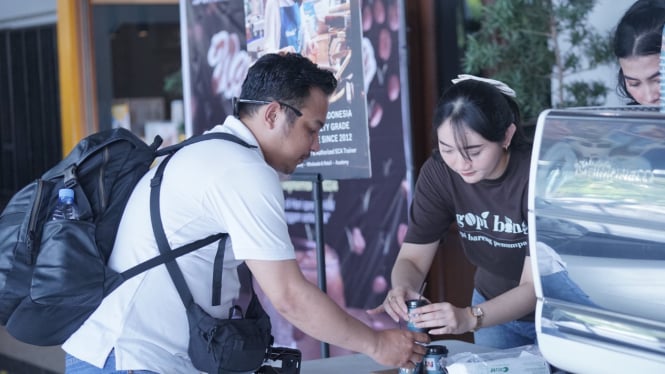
[(437, 350), (414, 303)]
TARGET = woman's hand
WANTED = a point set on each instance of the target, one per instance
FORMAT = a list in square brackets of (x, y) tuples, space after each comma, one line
[(443, 318), (395, 303), (409, 273)]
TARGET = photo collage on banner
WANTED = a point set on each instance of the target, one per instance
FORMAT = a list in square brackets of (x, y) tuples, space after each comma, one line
[(364, 206), (328, 33)]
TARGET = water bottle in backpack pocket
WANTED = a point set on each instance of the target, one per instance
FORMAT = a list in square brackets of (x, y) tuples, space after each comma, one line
[(66, 207)]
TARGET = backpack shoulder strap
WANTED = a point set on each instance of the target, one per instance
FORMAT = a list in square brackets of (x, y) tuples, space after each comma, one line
[(198, 138), (162, 242), (170, 256), (167, 256), (166, 253)]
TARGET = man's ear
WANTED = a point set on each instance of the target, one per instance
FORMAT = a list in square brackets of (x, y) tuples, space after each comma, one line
[(270, 114)]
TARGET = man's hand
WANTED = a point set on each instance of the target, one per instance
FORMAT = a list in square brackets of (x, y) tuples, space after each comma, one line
[(400, 348)]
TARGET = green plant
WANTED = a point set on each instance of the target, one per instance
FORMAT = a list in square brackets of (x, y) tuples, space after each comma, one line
[(586, 48), (520, 43)]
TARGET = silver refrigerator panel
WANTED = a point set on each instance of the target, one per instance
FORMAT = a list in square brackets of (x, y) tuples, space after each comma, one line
[(597, 224)]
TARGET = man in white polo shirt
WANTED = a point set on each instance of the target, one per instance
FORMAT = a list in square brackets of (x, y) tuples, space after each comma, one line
[(220, 186)]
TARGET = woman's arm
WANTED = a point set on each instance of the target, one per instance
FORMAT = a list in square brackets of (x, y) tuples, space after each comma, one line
[(445, 318), (409, 271)]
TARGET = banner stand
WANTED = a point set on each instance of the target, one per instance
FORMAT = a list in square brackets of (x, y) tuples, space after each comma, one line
[(317, 197)]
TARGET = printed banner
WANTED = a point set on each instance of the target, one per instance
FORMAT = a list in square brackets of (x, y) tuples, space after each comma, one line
[(225, 37), (214, 60), (328, 33)]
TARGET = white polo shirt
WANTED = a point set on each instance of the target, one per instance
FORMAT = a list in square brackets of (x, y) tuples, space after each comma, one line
[(209, 187)]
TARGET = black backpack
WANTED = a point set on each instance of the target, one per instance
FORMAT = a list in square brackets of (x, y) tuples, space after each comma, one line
[(53, 274)]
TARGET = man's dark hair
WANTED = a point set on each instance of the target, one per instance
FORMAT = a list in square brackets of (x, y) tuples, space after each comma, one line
[(287, 78), (639, 33)]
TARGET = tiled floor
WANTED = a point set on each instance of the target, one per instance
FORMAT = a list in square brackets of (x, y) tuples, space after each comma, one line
[(9, 365), (20, 358)]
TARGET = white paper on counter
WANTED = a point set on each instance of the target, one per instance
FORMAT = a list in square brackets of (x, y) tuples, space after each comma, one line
[(525, 363)]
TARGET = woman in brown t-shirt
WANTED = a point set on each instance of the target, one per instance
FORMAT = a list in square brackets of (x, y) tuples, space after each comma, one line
[(477, 179)]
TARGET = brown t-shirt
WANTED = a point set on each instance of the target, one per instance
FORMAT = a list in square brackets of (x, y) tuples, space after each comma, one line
[(491, 216)]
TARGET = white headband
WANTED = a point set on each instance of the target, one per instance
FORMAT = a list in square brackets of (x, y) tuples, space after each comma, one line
[(498, 84)]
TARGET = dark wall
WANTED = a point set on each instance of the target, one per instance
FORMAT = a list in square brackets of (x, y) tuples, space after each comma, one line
[(30, 139)]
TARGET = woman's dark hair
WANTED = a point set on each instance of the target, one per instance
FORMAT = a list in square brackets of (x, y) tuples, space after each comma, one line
[(481, 107), (638, 33), (287, 78)]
